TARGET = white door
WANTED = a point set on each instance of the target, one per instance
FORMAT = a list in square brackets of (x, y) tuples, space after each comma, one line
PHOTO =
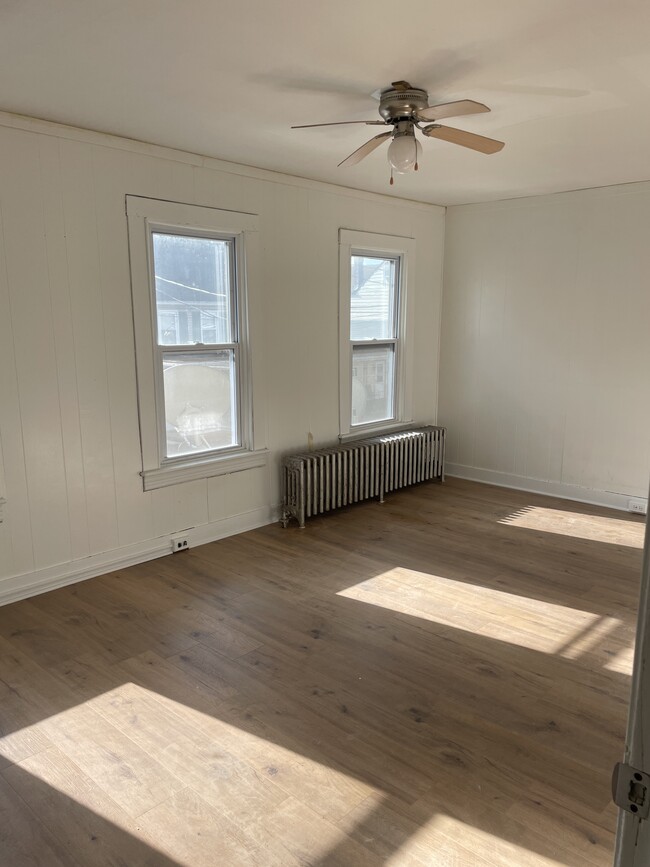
[(633, 835)]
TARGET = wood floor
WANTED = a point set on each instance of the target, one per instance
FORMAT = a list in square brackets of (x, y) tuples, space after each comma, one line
[(441, 680)]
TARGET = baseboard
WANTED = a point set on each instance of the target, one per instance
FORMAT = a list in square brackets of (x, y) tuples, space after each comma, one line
[(609, 499), (32, 583)]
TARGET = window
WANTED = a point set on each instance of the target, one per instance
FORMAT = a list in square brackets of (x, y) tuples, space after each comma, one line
[(189, 269), (374, 331)]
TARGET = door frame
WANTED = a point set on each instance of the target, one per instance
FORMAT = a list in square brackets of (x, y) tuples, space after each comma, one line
[(633, 833)]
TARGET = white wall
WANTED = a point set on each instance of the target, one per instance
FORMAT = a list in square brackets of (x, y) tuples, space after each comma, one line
[(69, 447), (545, 360)]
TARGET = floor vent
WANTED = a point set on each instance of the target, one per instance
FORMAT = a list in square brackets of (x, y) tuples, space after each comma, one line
[(326, 479)]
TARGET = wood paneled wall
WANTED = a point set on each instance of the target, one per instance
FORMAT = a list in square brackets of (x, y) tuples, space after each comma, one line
[(545, 355), (69, 438)]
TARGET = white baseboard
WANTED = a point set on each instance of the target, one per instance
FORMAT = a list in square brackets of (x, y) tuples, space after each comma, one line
[(32, 583), (609, 499)]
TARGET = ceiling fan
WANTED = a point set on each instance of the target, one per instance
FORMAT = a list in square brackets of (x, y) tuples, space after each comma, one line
[(406, 108)]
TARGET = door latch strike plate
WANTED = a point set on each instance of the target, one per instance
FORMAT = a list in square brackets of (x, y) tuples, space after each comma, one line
[(631, 790)]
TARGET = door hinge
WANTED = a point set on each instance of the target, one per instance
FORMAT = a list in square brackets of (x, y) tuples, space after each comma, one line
[(631, 790)]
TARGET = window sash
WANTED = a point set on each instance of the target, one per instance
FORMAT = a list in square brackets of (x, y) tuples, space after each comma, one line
[(182, 232), (384, 341), (194, 347), (189, 352), (397, 291), (389, 381)]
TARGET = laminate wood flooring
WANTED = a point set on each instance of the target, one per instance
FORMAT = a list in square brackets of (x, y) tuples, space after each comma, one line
[(438, 681)]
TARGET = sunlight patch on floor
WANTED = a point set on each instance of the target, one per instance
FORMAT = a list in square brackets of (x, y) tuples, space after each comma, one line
[(447, 842), (146, 758), (590, 637), (596, 528), (527, 622), (623, 661)]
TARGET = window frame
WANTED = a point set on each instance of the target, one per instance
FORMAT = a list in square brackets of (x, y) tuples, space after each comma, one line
[(146, 217), (237, 346), (402, 249)]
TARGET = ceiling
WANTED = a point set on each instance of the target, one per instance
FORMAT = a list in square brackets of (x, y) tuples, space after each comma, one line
[(568, 83)]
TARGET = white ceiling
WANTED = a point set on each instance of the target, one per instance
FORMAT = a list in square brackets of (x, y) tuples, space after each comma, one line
[(568, 83)]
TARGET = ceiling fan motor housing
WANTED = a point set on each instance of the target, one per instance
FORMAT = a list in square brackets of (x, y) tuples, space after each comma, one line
[(396, 104)]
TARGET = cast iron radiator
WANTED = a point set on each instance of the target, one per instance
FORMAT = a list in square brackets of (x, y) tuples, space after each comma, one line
[(325, 479)]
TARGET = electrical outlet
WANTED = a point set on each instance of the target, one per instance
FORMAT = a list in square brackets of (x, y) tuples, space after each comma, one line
[(637, 505), (180, 543)]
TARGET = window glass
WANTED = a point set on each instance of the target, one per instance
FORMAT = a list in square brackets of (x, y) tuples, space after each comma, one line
[(373, 383), (193, 289), (372, 297), (200, 401)]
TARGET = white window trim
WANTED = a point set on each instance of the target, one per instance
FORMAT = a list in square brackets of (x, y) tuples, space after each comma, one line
[(144, 217), (351, 241)]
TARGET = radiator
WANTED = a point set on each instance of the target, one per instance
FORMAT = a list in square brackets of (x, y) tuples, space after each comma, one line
[(328, 478)]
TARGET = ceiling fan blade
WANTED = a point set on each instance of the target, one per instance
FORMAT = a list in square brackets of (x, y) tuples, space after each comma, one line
[(366, 149), (464, 138), (451, 109), (341, 123)]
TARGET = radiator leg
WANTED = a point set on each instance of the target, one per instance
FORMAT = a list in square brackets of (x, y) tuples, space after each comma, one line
[(285, 514), (302, 501)]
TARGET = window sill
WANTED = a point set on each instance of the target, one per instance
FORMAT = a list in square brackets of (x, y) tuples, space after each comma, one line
[(189, 471), (375, 430)]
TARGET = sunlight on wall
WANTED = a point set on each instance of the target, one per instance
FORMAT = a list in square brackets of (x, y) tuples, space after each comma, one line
[(597, 528), (521, 620)]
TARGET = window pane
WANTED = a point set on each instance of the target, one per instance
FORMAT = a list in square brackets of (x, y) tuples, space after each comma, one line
[(372, 298), (200, 401), (373, 391), (193, 297)]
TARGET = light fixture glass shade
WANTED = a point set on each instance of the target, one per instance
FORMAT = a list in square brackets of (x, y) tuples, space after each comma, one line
[(403, 153)]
